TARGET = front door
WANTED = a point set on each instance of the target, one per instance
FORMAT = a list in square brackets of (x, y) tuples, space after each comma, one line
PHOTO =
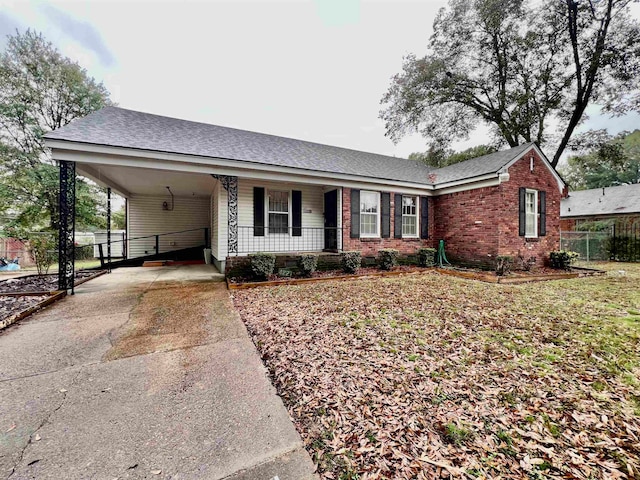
[(331, 220)]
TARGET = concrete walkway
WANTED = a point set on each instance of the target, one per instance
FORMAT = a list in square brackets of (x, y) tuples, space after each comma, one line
[(144, 373)]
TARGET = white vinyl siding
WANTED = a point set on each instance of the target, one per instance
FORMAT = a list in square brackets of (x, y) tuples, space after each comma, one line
[(531, 213), (148, 218), (369, 214), (312, 239), (409, 216)]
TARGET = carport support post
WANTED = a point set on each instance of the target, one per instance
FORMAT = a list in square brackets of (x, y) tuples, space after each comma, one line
[(66, 225)]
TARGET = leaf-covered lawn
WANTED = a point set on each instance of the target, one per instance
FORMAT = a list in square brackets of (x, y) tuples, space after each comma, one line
[(425, 376)]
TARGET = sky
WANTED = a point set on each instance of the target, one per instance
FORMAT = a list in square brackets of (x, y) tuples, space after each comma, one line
[(309, 69)]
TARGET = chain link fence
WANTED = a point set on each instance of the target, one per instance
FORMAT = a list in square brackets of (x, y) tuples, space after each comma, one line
[(592, 246)]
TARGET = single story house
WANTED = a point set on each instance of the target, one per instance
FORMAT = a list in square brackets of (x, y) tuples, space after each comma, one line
[(616, 205), (262, 193)]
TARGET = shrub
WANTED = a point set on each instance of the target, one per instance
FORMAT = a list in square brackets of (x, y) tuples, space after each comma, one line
[(350, 261), (426, 257), (84, 252), (307, 264), (43, 249), (263, 264), (525, 264), (562, 259), (387, 258), (503, 264)]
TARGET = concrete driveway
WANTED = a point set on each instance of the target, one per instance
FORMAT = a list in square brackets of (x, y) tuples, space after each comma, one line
[(144, 373)]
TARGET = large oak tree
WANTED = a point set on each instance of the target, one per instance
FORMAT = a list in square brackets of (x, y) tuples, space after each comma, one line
[(528, 72)]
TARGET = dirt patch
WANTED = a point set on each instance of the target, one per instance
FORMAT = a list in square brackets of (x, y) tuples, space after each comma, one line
[(169, 316), (37, 283)]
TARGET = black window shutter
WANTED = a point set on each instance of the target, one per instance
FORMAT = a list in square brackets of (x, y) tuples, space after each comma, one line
[(542, 197), (258, 212), (397, 215), (296, 213), (424, 217), (385, 209), (522, 216), (355, 213)]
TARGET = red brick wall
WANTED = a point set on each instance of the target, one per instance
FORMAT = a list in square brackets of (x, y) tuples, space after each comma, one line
[(370, 246), (477, 225), (520, 175), (567, 224), (468, 223), (574, 223)]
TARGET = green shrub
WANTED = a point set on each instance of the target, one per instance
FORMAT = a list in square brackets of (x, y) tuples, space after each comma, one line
[(84, 252), (426, 257), (503, 264), (387, 258), (262, 264), (307, 264), (562, 259), (43, 248), (350, 261)]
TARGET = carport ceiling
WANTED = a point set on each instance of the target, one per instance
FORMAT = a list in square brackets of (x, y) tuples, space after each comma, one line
[(146, 181)]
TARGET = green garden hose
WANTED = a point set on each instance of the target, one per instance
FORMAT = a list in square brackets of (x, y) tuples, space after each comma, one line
[(442, 257)]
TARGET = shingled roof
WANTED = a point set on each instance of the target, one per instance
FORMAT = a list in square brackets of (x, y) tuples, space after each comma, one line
[(119, 127), (618, 200)]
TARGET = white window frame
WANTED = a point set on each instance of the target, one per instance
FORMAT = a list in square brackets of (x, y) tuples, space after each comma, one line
[(370, 235), (535, 213), (268, 212), (417, 215)]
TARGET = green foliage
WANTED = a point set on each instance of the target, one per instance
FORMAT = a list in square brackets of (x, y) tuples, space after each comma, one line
[(504, 263), (40, 90), (43, 248), (307, 264), (456, 435), (262, 264), (442, 157), (350, 261), (83, 252), (426, 257), (624, 248), (606, 160), (562, 259), (387, 258), (518, 68)]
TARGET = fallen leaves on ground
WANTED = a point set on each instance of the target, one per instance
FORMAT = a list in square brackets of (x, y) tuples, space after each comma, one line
[(427, 376), (10, 306)]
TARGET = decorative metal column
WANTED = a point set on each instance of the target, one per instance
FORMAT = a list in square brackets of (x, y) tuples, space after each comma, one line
[(66, 226), (230, 184)]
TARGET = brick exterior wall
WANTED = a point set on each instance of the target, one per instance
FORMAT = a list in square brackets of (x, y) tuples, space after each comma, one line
[(478, 225), (370, 246), (468, 222), (520, 175), (574, 223), (568, 224)]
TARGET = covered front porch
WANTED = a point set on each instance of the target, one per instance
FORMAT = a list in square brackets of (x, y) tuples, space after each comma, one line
[(169, 211)]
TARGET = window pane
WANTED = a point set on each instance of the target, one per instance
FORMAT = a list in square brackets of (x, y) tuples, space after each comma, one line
[(409, 226), (408, 205), (278, 223), (368, 224), (279, 202), (530, 214), (369, 202)]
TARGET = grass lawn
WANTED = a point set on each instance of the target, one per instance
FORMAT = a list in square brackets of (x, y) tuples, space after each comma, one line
[(426, 376)]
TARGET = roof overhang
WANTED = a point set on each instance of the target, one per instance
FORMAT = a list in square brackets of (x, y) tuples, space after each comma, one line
[(91, 154)]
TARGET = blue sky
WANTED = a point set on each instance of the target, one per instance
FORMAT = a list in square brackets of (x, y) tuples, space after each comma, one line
[(314, 70)]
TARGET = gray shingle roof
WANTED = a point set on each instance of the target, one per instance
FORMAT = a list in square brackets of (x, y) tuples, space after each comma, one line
[(616, 200), (119, 127), (479, 166)]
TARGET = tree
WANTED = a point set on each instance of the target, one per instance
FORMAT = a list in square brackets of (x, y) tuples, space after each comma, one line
[(517, 69), (41, 90), (606, 160), (442, 157)]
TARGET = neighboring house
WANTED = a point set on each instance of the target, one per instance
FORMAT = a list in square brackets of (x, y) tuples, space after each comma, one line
[(619, 205), (258, 192)]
